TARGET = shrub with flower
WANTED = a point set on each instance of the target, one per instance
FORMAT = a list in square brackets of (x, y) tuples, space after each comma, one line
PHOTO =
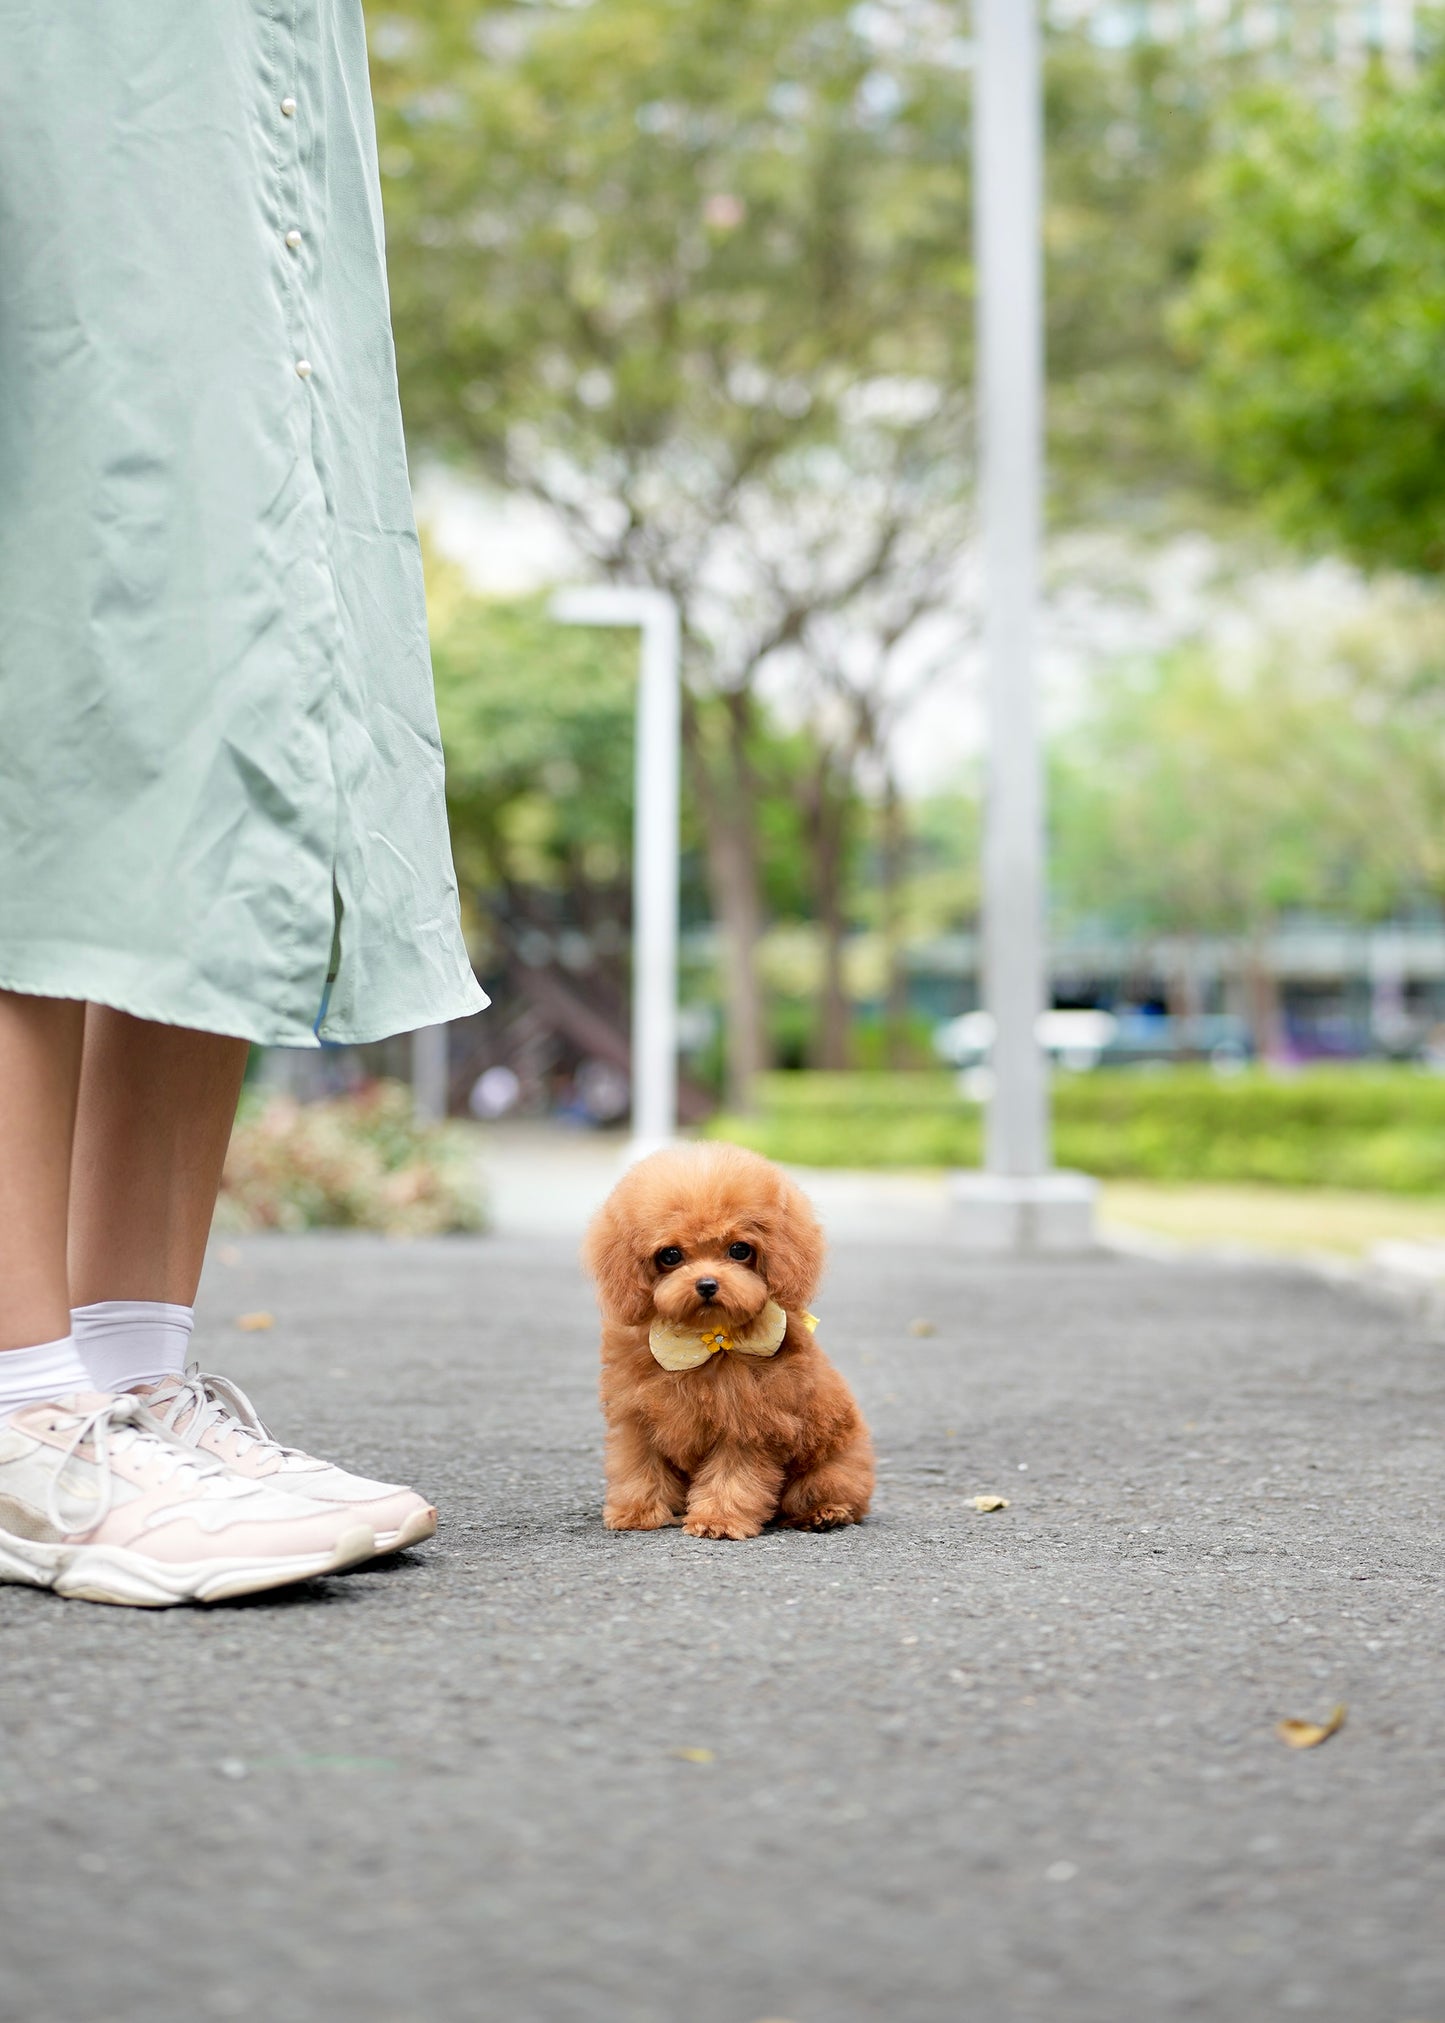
[(353, 1162)]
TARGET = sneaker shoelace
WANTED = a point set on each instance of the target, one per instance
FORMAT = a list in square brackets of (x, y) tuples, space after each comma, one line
[(213, 1400), (119, 1425)]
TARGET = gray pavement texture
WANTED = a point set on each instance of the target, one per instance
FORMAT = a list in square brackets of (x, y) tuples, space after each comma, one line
[(944, 1766)]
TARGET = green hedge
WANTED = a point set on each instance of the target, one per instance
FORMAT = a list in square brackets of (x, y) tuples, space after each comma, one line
[(1364, 1127)]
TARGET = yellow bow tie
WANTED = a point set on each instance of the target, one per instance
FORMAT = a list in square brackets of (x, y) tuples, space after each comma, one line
[(687, 1348)]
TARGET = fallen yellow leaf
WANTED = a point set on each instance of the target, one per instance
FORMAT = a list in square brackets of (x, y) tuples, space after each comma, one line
[(252, 1324), (989, 1502), (922, 1328), (693, 1755), (1310, 1734)]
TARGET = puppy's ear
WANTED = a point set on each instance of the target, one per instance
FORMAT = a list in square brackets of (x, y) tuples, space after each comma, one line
[(623, 1275), (793, 1250)]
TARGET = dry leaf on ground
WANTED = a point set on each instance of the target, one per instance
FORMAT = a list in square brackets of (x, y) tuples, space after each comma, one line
[(989, 1502), (1310, 1734), (693, 1755), (922, 1327), (252, 1324)]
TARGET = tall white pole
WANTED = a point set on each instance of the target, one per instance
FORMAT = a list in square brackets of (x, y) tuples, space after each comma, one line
[(1008, 171), (429, 1074), (656, 824), (656, 816)]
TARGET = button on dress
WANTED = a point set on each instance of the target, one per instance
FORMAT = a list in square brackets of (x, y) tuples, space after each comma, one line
[(221, 794)]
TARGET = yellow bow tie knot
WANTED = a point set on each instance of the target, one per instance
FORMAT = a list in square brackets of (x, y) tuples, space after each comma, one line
[(678, 1347)]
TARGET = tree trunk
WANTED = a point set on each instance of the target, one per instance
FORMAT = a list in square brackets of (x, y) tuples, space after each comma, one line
[(727, 792), (835, 1010), (828, 810), (737, 908), (1181, 987), (1262, 1001), (897, 1051)]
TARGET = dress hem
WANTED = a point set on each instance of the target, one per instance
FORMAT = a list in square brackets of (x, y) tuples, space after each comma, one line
[(366, 1036), (464, 1005)]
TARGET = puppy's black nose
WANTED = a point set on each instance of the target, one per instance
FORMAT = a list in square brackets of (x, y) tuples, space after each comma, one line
[(707, 1287)]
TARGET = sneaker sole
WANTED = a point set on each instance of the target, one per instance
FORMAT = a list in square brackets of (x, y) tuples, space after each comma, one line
[(126, 1579), (415, 1530)]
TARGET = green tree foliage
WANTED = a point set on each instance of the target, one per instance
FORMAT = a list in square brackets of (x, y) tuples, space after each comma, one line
[(695, 276), (1129, 135), (1206, 795), (1195, 801), (641, 226), (1317, 318), (1212, 797), (537, 722)]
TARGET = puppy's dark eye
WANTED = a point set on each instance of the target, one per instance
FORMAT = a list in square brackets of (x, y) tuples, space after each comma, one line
[(741, 1251), (665, 1260)]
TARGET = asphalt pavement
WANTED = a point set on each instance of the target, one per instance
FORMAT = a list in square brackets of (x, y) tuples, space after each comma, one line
[(951, 1765)]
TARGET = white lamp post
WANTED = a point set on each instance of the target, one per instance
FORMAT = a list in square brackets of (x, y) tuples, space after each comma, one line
[(429, 1074), (655, 821), (1016, 1203)]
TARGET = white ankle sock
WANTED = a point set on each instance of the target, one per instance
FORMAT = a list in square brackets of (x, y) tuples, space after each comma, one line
[(35, 1376), (125, 1342)]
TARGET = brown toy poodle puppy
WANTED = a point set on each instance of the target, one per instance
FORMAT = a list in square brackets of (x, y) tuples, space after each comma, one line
[(722, 1411)]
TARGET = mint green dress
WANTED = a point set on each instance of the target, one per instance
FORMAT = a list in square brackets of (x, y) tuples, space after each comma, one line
[(221, 793)]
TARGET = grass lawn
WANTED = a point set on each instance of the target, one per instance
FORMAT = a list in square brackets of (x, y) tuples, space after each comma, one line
[(1270, 1218)]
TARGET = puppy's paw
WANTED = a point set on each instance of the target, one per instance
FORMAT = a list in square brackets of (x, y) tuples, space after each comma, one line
[(639, 1516), (827, 1517), (702, 1526)]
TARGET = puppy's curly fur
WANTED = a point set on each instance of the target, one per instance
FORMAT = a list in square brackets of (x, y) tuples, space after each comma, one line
[(725, 1448)]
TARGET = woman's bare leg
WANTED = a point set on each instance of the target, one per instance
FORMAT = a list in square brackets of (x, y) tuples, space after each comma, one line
[(153, 1120), (40, 1053), (161, 1109)]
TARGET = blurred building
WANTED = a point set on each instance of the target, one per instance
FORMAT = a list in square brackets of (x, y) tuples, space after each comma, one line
[(1337, 991), (1308, 31)]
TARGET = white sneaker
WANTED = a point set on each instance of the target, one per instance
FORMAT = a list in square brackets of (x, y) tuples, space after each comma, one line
[(100, 1503), (215, 1415)]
